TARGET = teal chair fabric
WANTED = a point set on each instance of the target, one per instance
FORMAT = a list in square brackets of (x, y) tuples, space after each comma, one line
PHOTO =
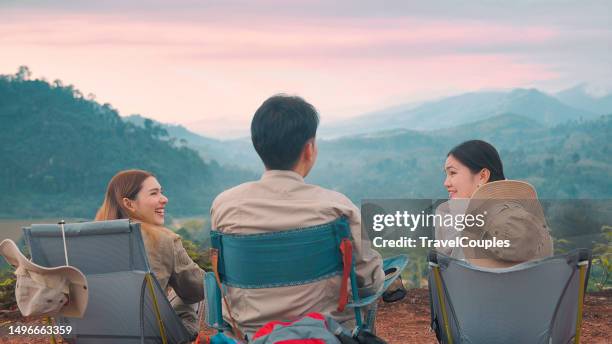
[(124, 296), (534, 302), (276, 259)]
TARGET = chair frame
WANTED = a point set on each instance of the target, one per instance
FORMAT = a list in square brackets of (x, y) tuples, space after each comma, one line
[(444, 333), (215, 282), (149, 284)]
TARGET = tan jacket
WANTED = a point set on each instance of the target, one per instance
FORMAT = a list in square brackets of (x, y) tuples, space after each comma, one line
[(451, 207), (281, 200), (171, 264)]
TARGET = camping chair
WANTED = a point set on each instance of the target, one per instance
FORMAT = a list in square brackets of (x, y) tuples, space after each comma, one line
[(276, 259), (534, 302), (126, 303)]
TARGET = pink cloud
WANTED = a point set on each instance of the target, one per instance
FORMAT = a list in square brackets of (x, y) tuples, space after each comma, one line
[(192, 71), (266, 36)]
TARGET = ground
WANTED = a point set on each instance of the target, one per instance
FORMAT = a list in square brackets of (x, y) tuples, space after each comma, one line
[(406, 321)]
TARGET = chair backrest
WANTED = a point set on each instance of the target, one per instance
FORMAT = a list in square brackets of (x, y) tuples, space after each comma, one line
[(276, 259), (534, 302), (124, 298), (93, 247)]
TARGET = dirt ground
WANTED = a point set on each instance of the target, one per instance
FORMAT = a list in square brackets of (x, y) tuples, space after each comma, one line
[(403, 322), (407, 321)]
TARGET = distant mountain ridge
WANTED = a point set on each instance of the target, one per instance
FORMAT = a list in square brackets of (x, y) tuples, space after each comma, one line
[(536, 109), (448, 112), (461, 109), (174, 130), (578, 96), (400, 162), (236, 152)]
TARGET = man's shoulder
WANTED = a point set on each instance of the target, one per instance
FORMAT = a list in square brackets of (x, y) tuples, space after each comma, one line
[(331, 195), (305, 191), (235, 192)]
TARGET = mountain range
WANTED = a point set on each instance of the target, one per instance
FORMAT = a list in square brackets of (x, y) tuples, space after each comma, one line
[(523, 110), (59, 150), (408, 163), (456, 110), (579, 97)]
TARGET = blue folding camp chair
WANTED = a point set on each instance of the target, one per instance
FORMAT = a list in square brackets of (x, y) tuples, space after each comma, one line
[(126, 303), (534, 302), (276, 259)]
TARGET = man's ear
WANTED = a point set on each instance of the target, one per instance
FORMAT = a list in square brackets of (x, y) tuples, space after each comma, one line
[(309, 150)]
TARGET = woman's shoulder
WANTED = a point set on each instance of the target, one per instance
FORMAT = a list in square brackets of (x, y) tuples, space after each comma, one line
[(160, 235), (156, 228)]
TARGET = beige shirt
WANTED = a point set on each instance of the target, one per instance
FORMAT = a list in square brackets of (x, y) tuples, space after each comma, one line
[(171, 264), (281, 200), (451, 207)]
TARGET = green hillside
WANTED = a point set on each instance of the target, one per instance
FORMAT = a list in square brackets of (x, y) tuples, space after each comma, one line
[(571, 160), (236, 152), (59, 150)]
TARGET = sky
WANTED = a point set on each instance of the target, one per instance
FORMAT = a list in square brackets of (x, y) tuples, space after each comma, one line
[(208, 65)]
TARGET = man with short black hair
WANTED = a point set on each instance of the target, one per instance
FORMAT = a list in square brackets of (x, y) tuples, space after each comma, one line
[(283, 131)]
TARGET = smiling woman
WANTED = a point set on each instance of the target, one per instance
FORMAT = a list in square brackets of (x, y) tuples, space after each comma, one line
[(469, 166), (149, 203), (137, 195), (127, 196)]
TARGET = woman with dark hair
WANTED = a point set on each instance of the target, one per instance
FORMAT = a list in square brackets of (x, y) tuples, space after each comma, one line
[(509, 209), (137, 195), (469, 166)]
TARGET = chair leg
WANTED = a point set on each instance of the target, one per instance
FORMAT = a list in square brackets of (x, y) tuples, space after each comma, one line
[(442, 302), (370, 321), (582, 271), (48, 321)]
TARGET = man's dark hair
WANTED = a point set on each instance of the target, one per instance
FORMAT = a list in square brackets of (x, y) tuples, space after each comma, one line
[(280, 128), (478, 154)]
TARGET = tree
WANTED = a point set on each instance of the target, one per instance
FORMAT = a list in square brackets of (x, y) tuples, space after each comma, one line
[(148, 125), (23, 73)]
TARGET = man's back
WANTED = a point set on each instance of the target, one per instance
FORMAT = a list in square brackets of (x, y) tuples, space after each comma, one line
[(281, 200)]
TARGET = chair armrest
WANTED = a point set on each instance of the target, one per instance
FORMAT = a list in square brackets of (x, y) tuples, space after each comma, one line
[(398, 263)]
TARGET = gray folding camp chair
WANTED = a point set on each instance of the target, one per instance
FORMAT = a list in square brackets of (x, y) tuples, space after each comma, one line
[(533, 302), (126, 303)]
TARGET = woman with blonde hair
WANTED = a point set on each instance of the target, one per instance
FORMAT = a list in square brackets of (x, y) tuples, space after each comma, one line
[(137, 195)]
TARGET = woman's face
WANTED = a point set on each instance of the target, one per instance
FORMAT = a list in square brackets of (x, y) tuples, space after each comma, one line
[(460, 181), (149, 203)]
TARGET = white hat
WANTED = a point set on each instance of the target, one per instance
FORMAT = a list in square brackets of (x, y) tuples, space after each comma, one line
[(46, 291)]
